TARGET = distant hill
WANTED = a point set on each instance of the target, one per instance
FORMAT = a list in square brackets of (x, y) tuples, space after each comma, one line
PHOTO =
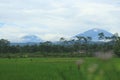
[(93, 33), (31, 39), (28, 40)]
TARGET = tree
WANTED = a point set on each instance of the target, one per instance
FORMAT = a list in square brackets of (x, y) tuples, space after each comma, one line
[(117, 47), (101, 36), (89, 38), (115, 37), (78, 42), (14, 49), (62, 39), (79, 38), (4, 44)]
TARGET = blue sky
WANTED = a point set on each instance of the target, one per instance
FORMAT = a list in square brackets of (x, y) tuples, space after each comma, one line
[(52, 19)]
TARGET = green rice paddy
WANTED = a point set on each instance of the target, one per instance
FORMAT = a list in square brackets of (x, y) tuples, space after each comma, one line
[(59, 69)]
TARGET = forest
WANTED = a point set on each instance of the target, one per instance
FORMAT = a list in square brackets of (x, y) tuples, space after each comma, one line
[(80, 46)]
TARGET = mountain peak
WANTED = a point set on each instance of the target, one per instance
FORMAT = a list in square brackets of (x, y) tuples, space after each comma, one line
[(96, 29), (93, 33)]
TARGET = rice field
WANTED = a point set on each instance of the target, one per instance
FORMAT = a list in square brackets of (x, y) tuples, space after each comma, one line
[(59, 69)]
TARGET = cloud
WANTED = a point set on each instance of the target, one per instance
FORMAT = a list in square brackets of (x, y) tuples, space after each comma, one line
[(51, 19)]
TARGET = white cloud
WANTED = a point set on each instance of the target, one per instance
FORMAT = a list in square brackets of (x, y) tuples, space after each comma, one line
[(51, 19)]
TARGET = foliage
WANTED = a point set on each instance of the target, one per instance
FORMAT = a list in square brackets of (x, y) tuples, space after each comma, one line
[(117, 47), (80, 46), (4, 44)]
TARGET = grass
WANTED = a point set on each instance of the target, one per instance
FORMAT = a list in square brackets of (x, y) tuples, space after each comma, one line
[(59, 69)]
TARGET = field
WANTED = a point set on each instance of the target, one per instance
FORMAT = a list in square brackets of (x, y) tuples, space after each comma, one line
[(59, 69)]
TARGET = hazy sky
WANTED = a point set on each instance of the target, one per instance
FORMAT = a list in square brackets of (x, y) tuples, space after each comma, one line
[(52, 19)]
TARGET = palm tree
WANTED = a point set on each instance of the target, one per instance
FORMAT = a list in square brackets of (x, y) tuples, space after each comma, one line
[(101, 36), (62, 39), (89, 38), (80, 38), (115, 37)]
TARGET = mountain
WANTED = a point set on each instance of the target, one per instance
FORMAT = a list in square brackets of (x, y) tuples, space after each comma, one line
[(93, 33), (31, 39)]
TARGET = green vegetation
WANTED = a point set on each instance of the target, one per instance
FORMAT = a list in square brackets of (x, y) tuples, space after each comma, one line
[(59, 69), (77, 59), (81, 46), (117, 47)]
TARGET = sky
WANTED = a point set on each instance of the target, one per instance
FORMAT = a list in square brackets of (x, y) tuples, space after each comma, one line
[(52, 19)]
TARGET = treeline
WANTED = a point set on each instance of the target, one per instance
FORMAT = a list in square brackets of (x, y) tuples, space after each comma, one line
[(80, 46)]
